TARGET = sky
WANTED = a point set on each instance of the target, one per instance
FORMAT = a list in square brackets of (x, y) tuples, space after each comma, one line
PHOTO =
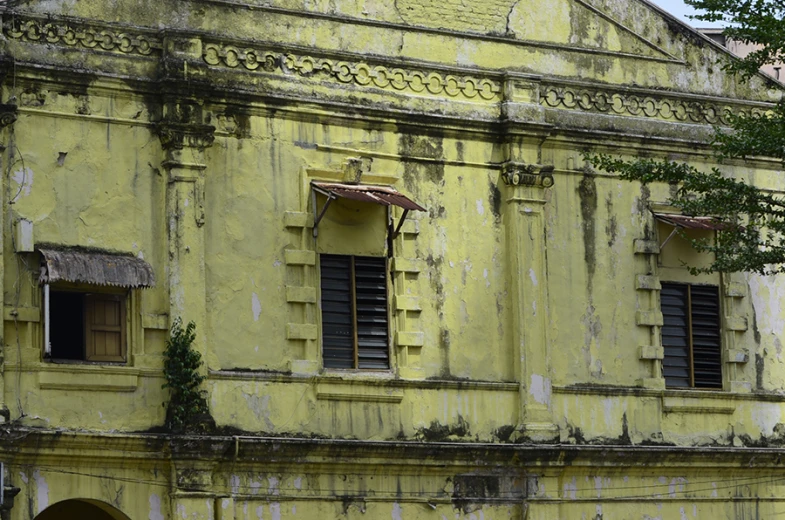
[(681, 10)]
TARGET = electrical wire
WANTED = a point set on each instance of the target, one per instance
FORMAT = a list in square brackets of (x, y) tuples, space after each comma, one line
[(333, 492)]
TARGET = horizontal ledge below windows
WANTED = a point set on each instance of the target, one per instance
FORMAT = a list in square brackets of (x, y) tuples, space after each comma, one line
[(96, 380), (364, 379), (695, 405), (329, 391), (636, 391)]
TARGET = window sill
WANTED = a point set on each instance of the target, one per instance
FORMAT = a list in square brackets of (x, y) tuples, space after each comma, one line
[(89, 377), (669, 393), (334, 391)]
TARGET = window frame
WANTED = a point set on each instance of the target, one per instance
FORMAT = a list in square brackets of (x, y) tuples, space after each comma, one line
[(354, 316), (128, 301), (718, 330)]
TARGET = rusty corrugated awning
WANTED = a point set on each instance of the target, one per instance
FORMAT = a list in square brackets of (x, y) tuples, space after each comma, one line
[(383, 195), (687, 222), (96, 268)]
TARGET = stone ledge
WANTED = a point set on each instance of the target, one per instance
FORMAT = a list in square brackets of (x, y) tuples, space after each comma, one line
[(695, 405), (91, 381), (341, 392)]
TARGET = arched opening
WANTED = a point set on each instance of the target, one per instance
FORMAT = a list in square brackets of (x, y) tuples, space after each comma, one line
[(79, 509)]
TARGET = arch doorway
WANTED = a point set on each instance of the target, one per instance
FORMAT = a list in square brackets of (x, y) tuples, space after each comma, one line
[(79, 509)]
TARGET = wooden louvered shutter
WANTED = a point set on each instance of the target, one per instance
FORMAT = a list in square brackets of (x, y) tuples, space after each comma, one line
[(104, 327), (371, 313), (676, 365), (337, 311), (706, 344)]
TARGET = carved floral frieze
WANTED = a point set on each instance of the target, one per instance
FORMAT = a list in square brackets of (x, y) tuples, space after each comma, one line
[(63, 33), (354, 72), (668, 108)]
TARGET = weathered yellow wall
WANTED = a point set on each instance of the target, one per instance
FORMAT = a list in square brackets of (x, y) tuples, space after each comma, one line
[(524, 317)]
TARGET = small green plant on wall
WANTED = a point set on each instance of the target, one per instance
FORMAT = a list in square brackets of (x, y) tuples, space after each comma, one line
[(186, 409)]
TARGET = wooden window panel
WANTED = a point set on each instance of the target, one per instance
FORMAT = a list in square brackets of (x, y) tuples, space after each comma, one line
[(691, 336), (676, 365), (355, 330), (105, 327), (706, 339), (371, 313), (337, 312)]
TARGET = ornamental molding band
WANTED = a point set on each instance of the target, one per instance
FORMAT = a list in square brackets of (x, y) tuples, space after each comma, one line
[(641, 105), (520, 174), (354, 72), (60, 32)]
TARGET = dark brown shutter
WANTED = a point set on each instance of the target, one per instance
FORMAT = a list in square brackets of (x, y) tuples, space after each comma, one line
[(337, 312), (674, 303), (104, 327), (371, 295), (706, 344)]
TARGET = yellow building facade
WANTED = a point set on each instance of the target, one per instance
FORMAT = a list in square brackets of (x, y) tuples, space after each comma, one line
[(412, 296)]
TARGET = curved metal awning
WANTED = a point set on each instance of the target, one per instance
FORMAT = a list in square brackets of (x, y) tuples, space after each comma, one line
[(95, 267), (382, 195), (687, 222)]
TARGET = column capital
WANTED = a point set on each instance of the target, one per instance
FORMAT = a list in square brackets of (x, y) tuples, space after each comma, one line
[(522, 174), (176, 136), (183, 125)]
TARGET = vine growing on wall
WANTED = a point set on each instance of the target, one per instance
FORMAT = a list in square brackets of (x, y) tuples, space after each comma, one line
[(187, 405)]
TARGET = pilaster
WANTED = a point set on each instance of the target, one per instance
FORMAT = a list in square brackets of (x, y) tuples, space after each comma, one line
[(526, 197), (184, 139), (8, 114)]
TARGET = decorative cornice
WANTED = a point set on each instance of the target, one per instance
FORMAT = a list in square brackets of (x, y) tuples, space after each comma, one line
[(359, 73), (79, 35), (519, 174), (640, 105)]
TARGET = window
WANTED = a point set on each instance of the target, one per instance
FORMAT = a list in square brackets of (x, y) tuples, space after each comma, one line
[(691, 335), (85, 326), (354, 312)]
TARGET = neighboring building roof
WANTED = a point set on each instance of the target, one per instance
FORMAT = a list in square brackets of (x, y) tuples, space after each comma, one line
[(742, 50), (97, 268)]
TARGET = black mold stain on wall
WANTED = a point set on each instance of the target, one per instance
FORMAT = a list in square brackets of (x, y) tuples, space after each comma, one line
[(587, 190), (611, 227), (495, 199)]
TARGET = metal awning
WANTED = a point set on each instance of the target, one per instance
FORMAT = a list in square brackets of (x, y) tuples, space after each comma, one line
[(382, 195), (687, 222), (95, 267)]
